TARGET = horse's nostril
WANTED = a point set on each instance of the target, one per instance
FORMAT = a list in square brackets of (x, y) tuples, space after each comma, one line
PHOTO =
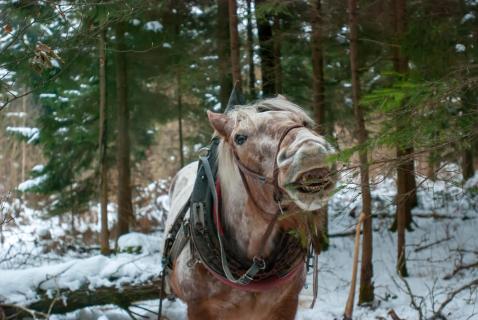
[(282, 156)]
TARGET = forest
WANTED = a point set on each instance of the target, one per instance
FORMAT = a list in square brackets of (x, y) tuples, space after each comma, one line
[(103, 102)]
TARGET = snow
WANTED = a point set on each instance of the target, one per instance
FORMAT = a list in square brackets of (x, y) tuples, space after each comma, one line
[(72, 92), (38, 168), (455, 208), (19, 286), (32, 134), (135, 22), (460, 47), (154, 26), (139, 242), (47, 95), (24, 131), (195, 10), (31, 183), (467, 17), (15, 114)]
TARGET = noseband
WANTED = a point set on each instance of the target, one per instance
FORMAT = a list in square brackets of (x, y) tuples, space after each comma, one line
[(274, 180)]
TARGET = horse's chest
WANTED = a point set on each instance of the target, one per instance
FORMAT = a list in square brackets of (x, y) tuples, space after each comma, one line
[(193, 284)]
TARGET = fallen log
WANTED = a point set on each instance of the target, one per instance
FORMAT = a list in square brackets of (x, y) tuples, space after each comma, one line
[(64, 300)]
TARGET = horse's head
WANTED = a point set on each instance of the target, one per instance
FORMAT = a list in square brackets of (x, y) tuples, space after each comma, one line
[(274, 141)]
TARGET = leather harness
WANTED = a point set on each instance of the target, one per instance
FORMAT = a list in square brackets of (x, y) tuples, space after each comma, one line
[(201, 230)]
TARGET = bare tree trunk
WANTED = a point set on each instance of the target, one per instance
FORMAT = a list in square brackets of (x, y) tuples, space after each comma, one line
[(235, 50), (24, 145), (14, 158), (180, 118), (318, 66), (266, 52), (401, 215), (467, 164), (224, 52), (84, 297), (125, 206), (431, 174), (318, 89), (277, 54), (250, 52), (468, 99), (366, 293), (401, 66), (405, 170), (104, 234)]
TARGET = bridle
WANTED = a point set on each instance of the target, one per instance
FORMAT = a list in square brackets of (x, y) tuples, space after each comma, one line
[(258, 262), (244, 170)]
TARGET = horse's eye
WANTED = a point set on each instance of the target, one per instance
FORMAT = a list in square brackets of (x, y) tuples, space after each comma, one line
[(240, 139)]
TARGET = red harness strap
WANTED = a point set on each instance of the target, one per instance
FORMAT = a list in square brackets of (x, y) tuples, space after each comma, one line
[(255, 285)]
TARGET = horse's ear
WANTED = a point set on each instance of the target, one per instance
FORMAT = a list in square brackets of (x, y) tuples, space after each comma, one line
[(221, 123)]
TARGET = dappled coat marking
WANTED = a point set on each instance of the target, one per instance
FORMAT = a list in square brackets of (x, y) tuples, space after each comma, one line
[(253, 134)]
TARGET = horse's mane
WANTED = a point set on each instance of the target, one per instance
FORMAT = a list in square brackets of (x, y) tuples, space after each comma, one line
[(227, 166)]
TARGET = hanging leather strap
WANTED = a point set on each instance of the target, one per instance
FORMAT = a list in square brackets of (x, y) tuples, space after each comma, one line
[(258, 262)]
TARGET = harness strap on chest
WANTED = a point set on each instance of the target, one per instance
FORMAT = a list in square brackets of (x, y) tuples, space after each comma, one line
[(258, 263)]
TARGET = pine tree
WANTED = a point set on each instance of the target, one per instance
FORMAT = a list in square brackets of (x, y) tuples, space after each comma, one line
[(102, 145), (318, 66), (366, 293), (266, 50), (224, 52), (125, 205), (250, 53), (405, 167), (234, 41)]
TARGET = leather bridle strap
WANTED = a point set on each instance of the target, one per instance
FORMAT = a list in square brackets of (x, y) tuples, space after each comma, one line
[(274, 180)]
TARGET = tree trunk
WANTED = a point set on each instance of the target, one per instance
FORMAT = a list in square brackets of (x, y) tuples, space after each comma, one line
[(125, 206), (401, 67), (180, 118), (318, 88), (223, 52), (468, 99), (104, 234), (431, 164), (318, 67), (250, 52), (266, 52), (235, 50), (24, 145), (406, 185), (467, 164), (277, 54), (123, 297), (366, 292), (401, 215)]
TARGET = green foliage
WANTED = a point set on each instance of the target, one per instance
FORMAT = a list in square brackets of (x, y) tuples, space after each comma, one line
[(171, 51)]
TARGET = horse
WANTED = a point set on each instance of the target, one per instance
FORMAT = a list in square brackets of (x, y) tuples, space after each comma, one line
[(273, 177)]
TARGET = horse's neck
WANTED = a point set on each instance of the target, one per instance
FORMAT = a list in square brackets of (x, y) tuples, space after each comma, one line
[(243, 222)]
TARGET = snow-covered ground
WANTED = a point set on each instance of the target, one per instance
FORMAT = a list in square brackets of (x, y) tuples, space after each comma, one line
[(444, 237)]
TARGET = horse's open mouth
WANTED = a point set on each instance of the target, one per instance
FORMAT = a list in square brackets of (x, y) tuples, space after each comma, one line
[(313, 181)]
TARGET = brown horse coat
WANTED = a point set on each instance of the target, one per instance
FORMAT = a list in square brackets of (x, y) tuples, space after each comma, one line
[(253, 133)]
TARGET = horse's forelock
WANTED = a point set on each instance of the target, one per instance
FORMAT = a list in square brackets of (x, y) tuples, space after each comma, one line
[(282, 104)]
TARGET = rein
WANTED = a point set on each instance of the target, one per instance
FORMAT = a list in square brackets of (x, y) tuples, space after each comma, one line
[(258, 262)]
